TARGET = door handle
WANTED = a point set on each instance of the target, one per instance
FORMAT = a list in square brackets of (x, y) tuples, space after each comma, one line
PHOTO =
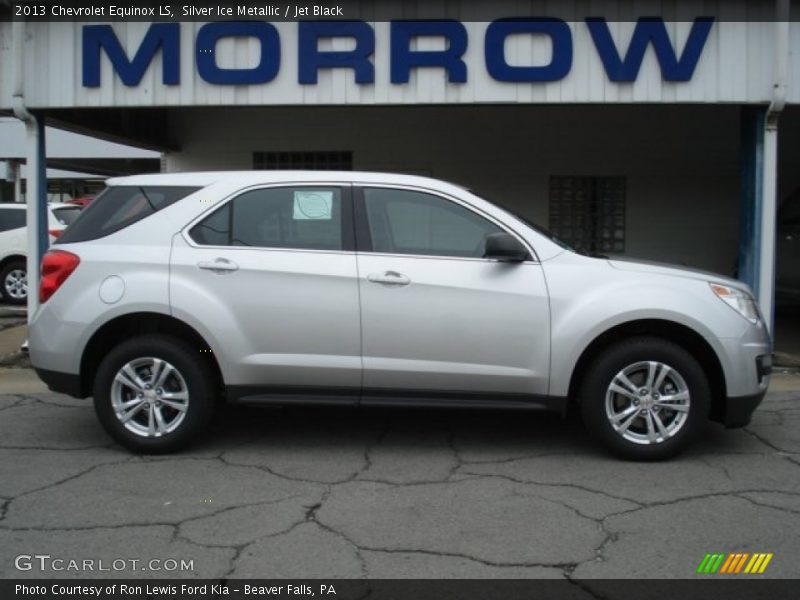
[(219, 265), (389, 278)]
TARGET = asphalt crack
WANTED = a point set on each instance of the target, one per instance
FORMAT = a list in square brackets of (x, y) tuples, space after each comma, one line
[(25, 398), (19, 402), (274, 473), (574, 486), (67, 479), (780, 452), (477, 559), (311, 517), (767, 504)]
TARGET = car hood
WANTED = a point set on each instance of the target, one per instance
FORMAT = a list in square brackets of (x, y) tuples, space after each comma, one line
[(647, 266)]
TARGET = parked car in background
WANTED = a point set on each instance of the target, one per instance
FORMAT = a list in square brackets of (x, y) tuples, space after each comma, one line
[(13, 245), (82, 201), (172, 291)]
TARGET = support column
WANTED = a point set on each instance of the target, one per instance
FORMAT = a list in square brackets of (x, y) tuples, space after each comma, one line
[(769, 221), (758, 206), (36, 200)]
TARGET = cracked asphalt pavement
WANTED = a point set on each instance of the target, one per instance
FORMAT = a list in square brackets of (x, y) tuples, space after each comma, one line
[(318, 493)]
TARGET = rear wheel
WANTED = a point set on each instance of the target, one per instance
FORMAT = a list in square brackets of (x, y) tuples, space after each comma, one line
[(14, 281), (645, 399), (153, 394)]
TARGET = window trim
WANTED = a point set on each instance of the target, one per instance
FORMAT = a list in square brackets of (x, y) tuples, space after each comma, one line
[(348, 235), (364, 237)]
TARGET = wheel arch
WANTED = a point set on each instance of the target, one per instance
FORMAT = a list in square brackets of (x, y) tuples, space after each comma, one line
[(680, 334), (140, 323), (11, 258)]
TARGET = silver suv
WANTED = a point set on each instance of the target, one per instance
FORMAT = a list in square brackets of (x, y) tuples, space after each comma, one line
[(173, 291)]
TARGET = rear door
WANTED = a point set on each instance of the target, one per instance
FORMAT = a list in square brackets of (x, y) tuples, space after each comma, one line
[(271, 277), (437, 318)]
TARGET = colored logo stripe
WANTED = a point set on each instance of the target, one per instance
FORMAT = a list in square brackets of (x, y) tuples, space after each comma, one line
[(734, 563), (758, 563), (710, 563)]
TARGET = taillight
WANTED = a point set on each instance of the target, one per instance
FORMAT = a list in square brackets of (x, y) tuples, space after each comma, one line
[(56, 232), (57, 265)]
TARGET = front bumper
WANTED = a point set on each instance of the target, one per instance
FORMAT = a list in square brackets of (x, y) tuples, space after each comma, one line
[(739, 410)]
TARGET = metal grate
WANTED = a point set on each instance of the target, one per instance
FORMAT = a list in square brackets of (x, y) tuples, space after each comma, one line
[(589, 212), (304, 161)]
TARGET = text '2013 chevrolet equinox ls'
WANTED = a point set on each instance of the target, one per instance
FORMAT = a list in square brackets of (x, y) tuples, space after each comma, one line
[(172, 291)]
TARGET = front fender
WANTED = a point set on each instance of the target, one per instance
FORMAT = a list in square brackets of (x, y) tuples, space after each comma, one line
[(587, 300)]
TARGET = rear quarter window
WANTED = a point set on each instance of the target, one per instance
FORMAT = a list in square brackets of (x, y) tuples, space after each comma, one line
[(119, 207)]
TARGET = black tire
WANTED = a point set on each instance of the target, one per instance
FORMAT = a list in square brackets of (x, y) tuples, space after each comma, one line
[(594, 396), (12, 296), (196, 379)]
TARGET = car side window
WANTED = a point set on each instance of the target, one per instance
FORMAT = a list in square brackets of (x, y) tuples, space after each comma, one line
[(12, 218), (306, 218), (409, 222)]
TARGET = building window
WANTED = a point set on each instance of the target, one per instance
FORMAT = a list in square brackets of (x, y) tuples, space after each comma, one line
[(589, 212), (304, 161)]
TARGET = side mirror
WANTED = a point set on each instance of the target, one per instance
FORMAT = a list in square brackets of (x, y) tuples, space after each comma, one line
[(505, 248)]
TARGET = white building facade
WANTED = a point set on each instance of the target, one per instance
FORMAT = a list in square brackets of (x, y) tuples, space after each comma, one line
[(668, 130)]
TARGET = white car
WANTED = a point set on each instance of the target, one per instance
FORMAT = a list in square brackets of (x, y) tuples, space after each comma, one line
[(13, 245)]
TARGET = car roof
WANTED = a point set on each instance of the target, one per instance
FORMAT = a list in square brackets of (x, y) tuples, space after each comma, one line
[(246, 178)]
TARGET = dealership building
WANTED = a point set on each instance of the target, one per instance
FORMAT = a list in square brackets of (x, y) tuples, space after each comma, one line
[(673, 137)]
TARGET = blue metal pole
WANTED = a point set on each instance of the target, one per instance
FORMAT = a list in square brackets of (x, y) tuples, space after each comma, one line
[(41, 201), (751, 194)]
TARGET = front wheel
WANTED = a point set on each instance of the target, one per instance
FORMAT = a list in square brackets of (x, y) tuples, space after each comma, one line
[(645, 399), (153, 394)]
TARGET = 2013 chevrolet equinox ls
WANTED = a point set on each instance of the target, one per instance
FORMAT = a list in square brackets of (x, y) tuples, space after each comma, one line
[(172, 291)]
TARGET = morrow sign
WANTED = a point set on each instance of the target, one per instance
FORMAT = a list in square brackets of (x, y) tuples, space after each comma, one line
[(621, 65)]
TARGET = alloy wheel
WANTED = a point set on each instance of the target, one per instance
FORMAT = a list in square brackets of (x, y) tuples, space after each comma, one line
[(15, 284), (647, 402), (149, 397)]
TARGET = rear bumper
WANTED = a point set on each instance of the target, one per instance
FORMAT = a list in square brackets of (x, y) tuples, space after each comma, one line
[(63, 383), (739, 410)]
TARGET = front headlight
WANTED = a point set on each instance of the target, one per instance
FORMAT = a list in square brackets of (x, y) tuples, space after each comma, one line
[(742, 302)]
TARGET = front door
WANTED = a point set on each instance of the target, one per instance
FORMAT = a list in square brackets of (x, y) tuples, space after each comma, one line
[(437, 317)]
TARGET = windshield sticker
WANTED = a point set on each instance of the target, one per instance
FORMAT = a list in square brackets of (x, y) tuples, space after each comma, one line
[(313, 206)]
